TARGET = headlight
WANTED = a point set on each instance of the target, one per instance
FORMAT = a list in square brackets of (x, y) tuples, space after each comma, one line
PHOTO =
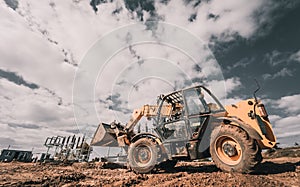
[(262, 110)]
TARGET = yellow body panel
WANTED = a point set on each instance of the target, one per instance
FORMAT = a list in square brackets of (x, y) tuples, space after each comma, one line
[(248, 113)]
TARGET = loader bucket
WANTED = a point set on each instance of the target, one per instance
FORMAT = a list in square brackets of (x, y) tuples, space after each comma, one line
[(104, 136)]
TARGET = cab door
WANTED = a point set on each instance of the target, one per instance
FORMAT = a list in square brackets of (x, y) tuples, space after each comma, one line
[(173, 129), (198, 114)]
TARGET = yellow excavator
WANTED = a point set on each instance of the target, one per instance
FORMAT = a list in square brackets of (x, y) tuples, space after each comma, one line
[(191, 124)]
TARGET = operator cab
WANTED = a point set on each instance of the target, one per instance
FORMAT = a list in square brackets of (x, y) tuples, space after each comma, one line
[(191, 110)]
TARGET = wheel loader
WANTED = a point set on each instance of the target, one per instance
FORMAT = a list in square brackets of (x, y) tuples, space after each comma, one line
[(191, 124)]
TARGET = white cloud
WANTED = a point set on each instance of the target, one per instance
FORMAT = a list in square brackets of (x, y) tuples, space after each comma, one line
[(30, 56), (273, 58), (73, 25), (287, 130), (281, 58), (229, 84), (162, 69), (26, 138), (286, 124), (32, 106), (282, 73), (274, 118), (290, 104), (241, 63), (230, 101), (36, 40), (290, 122), (295, 56), (29, 116), (231, 17)]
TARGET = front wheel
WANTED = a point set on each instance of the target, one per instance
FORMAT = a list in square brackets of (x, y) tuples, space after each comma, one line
[(142, 155), (233, 150)]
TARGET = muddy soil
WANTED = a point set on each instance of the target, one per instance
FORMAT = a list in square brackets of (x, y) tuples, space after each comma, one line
[(275, 170)]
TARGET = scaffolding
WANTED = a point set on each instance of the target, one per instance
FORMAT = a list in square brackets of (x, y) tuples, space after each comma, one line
[(71, 148)]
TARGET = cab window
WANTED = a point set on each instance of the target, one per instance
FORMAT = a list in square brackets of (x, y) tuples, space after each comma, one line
[(195, 102)]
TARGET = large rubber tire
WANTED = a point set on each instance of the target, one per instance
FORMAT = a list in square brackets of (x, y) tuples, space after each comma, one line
[(142, 155), (233, 150)]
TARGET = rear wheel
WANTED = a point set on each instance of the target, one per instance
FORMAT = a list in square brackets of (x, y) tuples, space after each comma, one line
[(233, 150), (142, 155)]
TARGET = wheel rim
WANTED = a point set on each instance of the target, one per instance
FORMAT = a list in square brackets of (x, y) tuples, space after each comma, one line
[(142, 155), (228, 150)]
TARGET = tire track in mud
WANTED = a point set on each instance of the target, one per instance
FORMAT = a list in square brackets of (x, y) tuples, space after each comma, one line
[(283, 171)]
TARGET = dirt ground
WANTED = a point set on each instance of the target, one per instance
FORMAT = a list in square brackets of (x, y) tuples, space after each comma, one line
[(276, 170)]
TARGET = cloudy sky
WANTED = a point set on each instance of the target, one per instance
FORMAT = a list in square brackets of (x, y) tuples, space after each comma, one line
[(66, 65)]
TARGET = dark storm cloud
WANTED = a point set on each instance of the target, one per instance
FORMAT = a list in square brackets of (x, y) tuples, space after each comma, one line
[(115, 103), (73, 131), (26, 126), (266, 57), (12, 4), (133, 6), (17, 79)]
